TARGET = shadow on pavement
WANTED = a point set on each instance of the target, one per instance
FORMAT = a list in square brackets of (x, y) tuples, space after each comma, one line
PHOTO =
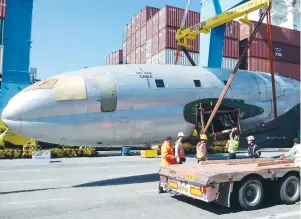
[(29, 190), (152, 177)]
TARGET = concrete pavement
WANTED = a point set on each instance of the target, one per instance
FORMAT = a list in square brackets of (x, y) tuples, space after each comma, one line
[(106, 187)]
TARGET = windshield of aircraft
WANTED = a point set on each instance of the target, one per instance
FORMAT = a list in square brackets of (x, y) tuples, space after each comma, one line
[(63, 88)]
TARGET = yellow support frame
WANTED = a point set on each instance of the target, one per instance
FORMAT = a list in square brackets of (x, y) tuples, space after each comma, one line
[(204, 27)]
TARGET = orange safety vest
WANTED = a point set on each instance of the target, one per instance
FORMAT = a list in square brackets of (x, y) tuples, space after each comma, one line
[(169, 159)]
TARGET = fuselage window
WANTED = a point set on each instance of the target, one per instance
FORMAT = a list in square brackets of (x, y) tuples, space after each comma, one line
[(197, 83), (159, 83)]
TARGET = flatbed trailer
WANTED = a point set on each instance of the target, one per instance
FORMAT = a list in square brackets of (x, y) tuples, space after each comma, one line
[(241, 182)]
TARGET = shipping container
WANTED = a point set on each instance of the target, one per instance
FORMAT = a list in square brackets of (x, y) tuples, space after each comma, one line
[(2, 8), (229, 63), (148, 49), (167, 56), (155, 44), (128, 45), (148, 61), (133, 25), (143, 54), (124, 49), (129, 32), (279, 34), (149, 29), (143, 35), (232, 30), (133, 44), (138, 38), (146, 14), (138, 55), (172, 16), (107, 59), (281, 52), (231, 48), (138, 20), (167, 39), (2, 23), (119, 56), (283, 68), (128, 59), (155, 25), (155, 59)]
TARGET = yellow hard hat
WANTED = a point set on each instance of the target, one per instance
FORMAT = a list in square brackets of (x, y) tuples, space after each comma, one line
[(204, 137)]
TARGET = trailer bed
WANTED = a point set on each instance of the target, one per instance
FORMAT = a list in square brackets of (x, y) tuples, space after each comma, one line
[(211, 172)]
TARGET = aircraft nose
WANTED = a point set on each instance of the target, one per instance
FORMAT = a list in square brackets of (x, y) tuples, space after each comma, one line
[(11, 115)]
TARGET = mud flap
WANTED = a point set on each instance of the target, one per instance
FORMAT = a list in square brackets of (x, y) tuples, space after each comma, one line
[(224, 194)]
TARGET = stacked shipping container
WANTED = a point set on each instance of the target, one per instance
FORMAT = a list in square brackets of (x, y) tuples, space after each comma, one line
[(150, 37), (115, 58), (286, 50)]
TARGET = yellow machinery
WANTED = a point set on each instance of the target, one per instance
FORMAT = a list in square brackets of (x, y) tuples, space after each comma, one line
[(149, 153), (14, 139), (204, 27)]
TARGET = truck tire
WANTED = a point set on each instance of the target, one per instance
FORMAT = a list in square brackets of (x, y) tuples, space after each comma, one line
[(160, 189), (250, 193), (289, 190)]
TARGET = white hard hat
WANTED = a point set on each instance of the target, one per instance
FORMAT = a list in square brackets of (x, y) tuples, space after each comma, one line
[(250, 138), (181, 134)]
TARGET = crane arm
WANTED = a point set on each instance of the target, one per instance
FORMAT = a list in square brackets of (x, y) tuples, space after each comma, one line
[(204, 27)]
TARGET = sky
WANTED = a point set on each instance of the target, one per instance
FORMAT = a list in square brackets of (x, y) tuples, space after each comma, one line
[(68, 35)]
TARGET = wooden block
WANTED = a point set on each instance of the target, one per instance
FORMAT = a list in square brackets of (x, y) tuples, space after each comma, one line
[(275, 162)]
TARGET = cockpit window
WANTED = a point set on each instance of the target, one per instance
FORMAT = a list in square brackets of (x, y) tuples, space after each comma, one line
[(43, 84), (70, 88)]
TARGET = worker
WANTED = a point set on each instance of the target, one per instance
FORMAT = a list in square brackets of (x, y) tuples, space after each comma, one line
[(201, 149), (179, 148), (233, 143), (167, 154), (296, 151), (296, 141), (253, 149)]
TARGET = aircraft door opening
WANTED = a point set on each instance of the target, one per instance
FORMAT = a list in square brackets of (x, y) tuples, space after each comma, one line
[(108, 93)]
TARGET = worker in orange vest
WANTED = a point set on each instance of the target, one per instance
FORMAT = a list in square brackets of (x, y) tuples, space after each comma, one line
[(179, 148), (201, 149), (167, 154)]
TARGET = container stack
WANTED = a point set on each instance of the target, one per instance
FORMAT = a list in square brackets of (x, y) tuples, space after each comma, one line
[(151, 36), (286, 50), (231, 45), (115, 58)]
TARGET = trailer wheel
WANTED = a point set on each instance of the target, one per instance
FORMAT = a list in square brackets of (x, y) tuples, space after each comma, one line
[(250, 194), (289, 190), (160, 189)]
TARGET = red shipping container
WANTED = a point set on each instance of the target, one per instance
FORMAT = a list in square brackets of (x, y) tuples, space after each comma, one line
[(283, 68), (155, 25), (128, 46), (281, 52), (138, 20), (143, 54), (143, 35), (138, 55), (155, 44), (129, 32), (133, 25), (167, 39), (279, 34), (133, 57), (232, 30), (2, 8), (149, 29), (133, 44), (119, 57), (172, 16), (138, 38), (231, 48), (147, 13)]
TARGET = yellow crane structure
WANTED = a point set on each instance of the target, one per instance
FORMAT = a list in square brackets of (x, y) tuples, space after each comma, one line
[(240, 12)]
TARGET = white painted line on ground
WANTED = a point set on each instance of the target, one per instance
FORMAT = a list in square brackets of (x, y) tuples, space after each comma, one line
[(14, 171), (277, 216), (146, 191), (30, 181), (25, 202)]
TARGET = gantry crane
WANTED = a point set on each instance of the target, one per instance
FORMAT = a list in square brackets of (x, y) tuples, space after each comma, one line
[(241, 11)]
